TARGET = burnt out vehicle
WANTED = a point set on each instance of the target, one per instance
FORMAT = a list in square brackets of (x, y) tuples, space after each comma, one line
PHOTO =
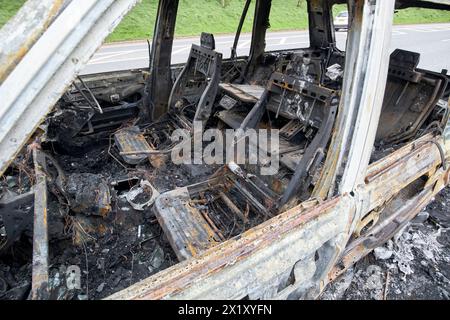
[(90, 192)]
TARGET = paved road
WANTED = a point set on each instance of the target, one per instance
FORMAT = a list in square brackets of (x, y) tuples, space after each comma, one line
[(432, 41)]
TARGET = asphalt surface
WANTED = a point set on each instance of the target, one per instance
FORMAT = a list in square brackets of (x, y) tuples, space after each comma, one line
[(432, 41)]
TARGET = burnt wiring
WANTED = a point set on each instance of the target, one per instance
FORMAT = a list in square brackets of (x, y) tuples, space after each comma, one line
[(94, 103)]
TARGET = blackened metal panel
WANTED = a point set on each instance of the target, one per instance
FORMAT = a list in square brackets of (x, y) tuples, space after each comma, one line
[(321, 32), (39, 285), (45, 71), (260, 26), (160, 83)]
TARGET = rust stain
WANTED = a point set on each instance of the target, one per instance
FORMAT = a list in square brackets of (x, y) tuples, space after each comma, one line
[(14, 58), (45, 217), (104, 211)]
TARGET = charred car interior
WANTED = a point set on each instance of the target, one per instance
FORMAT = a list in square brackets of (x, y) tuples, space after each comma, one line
[(362, 148)]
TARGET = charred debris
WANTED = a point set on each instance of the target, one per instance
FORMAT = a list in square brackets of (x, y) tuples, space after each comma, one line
[(96, 191)]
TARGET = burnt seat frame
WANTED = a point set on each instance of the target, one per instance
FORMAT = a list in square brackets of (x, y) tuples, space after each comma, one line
[(204, 60), (190, 232), (315, 152), (411, 95)]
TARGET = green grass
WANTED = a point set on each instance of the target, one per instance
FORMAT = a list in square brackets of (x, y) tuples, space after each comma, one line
[(418, 15), (195, 16), (8, 8)]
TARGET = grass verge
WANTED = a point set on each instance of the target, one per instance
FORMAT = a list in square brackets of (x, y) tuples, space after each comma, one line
[(195, 16)]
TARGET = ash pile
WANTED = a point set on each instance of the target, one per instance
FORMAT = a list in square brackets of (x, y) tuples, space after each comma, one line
[(414, 265)]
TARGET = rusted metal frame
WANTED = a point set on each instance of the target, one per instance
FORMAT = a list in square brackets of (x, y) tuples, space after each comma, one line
[(159, 84), (389, 227), (212, 224), (187, 232), (47, 69), (423, 162), (259, 207), (385, 179), (388, 177), (389, 181), (321, 30), (394, 157), (244, 265), (386, 228), (39, 282), (184, 225), (446, 134), (230, 204)]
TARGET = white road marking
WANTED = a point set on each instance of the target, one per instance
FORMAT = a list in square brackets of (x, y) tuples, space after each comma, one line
[(287, 44), (100, 54), (126, 44), (424, 29), (180, 50), (293, 36), (112, 55), (398, 33), (244, 44), (274, 40), (118, 60)]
